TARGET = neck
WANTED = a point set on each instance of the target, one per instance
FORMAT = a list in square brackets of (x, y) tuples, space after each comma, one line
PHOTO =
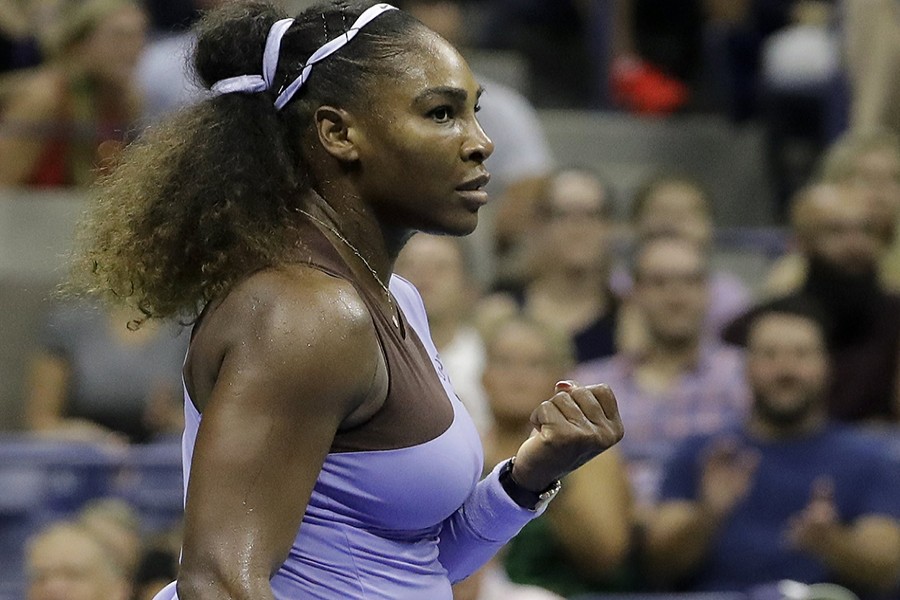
[(358, 232)]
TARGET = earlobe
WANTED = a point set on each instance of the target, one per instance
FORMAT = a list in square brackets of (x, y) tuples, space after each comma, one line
[(335, 129)]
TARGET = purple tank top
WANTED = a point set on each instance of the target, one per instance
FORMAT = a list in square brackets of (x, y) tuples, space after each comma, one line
[(372, 525)]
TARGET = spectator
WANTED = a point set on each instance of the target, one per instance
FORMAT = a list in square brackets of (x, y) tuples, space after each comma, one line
[(568, 257), (115, 523), (95, 379), (784, 494), (838, 238), (679, 382), (582, 545), (65, 561), (71, 116), (869, 162), (437, 266), (679, 205)]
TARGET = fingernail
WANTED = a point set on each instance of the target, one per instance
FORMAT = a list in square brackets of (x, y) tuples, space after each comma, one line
[(563, 386)]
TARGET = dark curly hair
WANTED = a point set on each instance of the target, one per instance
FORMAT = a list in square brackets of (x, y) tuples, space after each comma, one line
[(210, 196)]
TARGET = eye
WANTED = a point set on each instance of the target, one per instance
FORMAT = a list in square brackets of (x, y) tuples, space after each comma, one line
[(441, 114), (477, 108)]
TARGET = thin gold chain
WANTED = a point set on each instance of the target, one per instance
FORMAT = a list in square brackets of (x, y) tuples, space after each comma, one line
[(387, 292)]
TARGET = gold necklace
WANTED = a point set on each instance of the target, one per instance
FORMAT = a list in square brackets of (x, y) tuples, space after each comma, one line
[(387, 293)]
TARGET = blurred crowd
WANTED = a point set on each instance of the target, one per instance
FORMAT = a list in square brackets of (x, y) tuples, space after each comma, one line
[(762, 416)]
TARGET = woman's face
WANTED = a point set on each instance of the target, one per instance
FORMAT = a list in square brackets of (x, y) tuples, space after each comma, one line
[(519, 372), (421, 148)]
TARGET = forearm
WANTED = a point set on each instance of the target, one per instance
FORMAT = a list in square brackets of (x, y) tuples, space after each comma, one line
[(866, 554), (678, 539), (480, 527)]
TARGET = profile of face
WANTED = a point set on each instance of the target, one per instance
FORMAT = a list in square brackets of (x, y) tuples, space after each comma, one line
[(419, 148), (787, 366), (574, 229), (671, 289), (521, 368), (838, 226), (435, 265), (111, 50), (67, 563), (675, 208)]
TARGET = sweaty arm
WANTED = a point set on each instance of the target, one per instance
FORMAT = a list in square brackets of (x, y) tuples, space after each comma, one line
[(277, 368)]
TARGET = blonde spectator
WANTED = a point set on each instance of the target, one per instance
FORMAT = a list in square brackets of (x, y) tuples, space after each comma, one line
[(870, 164), (66, 561), (70, 117), (583, 544)]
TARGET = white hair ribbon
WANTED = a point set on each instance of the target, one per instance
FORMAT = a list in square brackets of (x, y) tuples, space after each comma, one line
[(261, 83), (252, 84)]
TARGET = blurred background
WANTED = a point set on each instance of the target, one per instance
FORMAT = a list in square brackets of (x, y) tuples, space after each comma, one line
[(615, 122)]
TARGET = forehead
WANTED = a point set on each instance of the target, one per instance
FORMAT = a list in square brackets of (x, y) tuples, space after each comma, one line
[(674, 196), (574, 188), (518, 338), (779, 330), (670, 257), (429, 63), (64, 548)]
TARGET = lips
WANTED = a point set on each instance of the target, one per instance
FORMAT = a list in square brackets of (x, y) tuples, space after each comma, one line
[(475, 184)]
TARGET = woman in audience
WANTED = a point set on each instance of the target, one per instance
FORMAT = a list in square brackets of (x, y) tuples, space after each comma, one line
[(584, 543), (70, 117), (679, 205), (95, 379), (567, 284)]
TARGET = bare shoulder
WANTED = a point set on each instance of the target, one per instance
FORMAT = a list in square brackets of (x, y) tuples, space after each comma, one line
[(299, 325)]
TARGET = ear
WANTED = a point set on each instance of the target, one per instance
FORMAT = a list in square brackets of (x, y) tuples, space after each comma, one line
[(336, 129)]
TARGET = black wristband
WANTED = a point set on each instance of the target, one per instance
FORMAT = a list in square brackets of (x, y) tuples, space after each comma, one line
[(525, 498)]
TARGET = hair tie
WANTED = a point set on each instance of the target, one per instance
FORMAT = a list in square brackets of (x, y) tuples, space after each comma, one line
[(253, 84)]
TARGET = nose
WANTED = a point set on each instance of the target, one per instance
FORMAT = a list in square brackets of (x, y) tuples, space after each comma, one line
[(477, 146)]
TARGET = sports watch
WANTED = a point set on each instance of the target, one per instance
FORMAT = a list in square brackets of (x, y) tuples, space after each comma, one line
[(527, 499)]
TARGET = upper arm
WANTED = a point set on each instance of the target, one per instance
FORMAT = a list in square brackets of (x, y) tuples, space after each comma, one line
[(32, 106), (296, 364)]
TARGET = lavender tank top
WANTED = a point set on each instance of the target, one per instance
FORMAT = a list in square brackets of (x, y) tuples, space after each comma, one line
[(372, 525)]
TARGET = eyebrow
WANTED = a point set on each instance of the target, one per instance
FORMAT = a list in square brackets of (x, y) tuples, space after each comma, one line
[(457, 94)]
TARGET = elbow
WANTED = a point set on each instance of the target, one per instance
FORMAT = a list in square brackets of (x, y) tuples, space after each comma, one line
[(198, 583)]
